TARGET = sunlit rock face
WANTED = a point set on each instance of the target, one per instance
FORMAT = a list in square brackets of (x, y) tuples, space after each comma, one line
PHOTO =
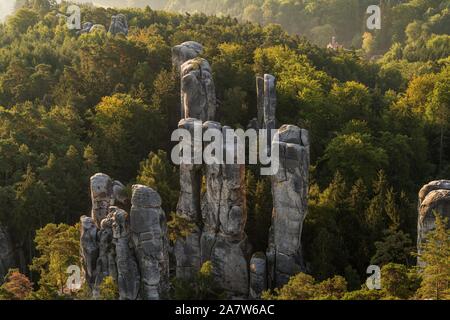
[(7, 259), (290, 201), (186, 51), (433, 197), (198, 94)]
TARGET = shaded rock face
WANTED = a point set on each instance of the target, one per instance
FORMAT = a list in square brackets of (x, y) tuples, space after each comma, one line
[(7, 259), (258, 275), (433, 197), (186, 51), (224, 216), (118, 24), (266, 100), (187, 251), (198, 95), (149, 237), (290, 197), (131, 248), (219, 235)]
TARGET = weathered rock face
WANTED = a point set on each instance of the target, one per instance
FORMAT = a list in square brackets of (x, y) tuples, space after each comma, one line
[(266, 100), (187, 251), (198, 95), (128, 275), (224, 241), (104, 193), (434, 196), (7, 260), (186, 51), (89, 249), (118, 24), (270, 102), (258, 275), (290, 197), (133, 249), (149, 236)]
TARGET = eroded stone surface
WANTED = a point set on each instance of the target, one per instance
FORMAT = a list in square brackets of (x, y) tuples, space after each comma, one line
[(118, 24), (198, 94), (149, 237), (290, 197), (258, 275), (186, 51)]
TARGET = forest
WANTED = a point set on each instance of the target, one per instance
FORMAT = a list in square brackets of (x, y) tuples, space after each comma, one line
[(378, 113)]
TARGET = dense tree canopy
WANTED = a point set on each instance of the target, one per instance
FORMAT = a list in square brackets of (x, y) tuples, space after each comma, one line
[(72, 105)]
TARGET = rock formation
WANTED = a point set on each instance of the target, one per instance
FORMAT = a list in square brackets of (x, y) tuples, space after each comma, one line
[(128, 276), (149, 237), (290, 200), (198, 95), (132, 249), (186, 51), (104, 193), (266, 100), (187, 251), (118, 24), (433, 197), (223, 240), (258, 275), (6, 253)]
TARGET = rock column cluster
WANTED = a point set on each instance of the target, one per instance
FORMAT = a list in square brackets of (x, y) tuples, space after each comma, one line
[(219, 210), (130, 248)]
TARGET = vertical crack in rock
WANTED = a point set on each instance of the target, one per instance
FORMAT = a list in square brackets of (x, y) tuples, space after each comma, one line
[(132, 249), (187, 251), (435, 196), (290, 194), (149, 237)]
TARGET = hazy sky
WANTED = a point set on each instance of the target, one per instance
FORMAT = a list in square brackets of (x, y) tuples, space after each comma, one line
[(6, 7)]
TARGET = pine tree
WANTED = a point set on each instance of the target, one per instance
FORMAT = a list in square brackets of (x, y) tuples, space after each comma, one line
[(436, 257)]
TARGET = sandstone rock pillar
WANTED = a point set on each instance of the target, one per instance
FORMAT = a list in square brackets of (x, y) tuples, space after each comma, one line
[(149, 237), (290, 200)]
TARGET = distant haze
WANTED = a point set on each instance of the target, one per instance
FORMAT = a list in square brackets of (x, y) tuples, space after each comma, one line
[(6, 8)]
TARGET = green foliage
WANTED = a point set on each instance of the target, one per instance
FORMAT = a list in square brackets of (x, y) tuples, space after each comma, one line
[(109, 289), (436, 257), (396, 247), (179, 227), (16, 286), (59, 248), (73, 105), (202, 287), (158, 173), (304, 287), (397, 282)]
